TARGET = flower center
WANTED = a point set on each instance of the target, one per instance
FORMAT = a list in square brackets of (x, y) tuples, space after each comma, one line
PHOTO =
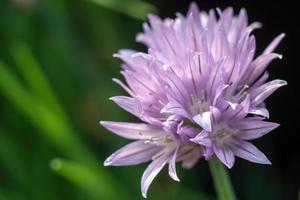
[(224, 134), (159, 140), (199, 103)]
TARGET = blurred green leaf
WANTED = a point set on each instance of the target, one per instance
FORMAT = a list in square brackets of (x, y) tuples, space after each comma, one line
[(34, 76), (132, 8), (50, 125), (84, 178)]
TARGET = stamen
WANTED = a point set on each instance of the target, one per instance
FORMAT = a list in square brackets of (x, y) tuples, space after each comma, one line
[(224, 134), (244, 88)]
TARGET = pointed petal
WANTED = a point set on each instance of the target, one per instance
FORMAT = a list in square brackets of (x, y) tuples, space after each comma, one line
[(248, 151), (134, 131), (261, 93), (274, 44), (127, 103), (260, 111), (240, 112), (132, 154), (125, 87), (232, 104), (219, 91), (193, 9), (204, 120), (252, 127), (150, 173), (225, 155), (174, 108), (203, 139), (172, 166), (259, 65)]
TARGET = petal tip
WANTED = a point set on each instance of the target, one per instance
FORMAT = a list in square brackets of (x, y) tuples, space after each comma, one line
[(102, 123), (174, 177), (107, 162)]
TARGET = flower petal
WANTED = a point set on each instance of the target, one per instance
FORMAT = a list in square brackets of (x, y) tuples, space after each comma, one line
[(134, 131), (172, 166), (270, 48), (259, 65), (203, 139), (248, 151), (225, 155), (264, 91), (150, 173), (204, 120), (259, 111), (253, 127), (132, 154), (127, 103)]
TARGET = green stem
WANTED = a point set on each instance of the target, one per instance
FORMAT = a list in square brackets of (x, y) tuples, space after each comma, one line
[(221, 180)]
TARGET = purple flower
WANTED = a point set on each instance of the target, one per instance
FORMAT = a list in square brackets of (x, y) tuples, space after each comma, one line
[(199, 91)]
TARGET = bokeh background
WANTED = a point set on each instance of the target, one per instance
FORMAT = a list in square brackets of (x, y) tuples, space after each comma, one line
[(56, 68)]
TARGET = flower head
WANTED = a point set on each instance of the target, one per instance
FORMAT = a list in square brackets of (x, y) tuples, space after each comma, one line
[(199, 91)]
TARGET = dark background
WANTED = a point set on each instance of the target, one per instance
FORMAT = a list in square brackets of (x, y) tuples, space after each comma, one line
[(55, 81)]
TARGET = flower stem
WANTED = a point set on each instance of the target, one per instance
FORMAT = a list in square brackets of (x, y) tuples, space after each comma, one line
[(221, 180)]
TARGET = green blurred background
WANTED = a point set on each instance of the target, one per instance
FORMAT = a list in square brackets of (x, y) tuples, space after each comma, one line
[(56, 68)]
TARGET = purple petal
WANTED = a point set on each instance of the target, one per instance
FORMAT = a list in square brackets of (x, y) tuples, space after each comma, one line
[(248, 151), (172, 166), (193, 9), (259, 65), (204, 120), (240, 112), (225, 155), (219, 91), (252, 127), (274, 44), (186, 130), (259, 111), (261, 93), (134, 131), (132, 154), (127, 103), (127, 89), (203, 139), (150, 173)]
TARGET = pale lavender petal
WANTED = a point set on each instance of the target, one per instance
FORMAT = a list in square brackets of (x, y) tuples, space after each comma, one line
[(232, 104), (219, 92), (203, 139), (188, 131), (261, 93), (225, 155), (127, 89), (204, 120), (240, 112), (172, 166), (208, 153), (252, 128), (274, 44), (132, 154), (259, 65), (259, 111), (150, 173), (248, 151), (134, 131), (127, 103)]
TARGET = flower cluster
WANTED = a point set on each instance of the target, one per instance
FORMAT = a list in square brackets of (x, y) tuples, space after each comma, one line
[(199, 91)]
